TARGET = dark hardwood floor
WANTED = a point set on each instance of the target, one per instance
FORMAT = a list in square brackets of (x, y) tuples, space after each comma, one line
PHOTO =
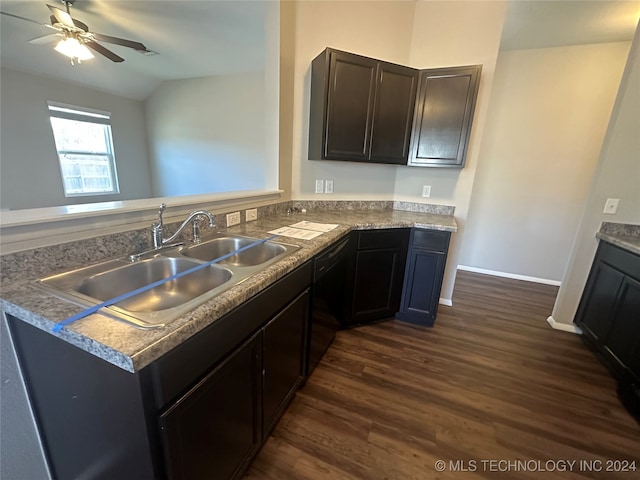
[(491, 383)]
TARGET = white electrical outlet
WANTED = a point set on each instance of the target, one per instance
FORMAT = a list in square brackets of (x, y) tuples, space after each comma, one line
[(611, 206), (328, 186), (233, 219), (426, 190), (319, 186), (251, 214)]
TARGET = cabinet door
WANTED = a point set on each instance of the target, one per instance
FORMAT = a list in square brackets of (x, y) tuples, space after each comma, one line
[(423, 276), (379, 270), (215, 428), (422, 286), (598, 300), (283, 344), (350, 102), (443, 116), (393, 113), (623, 341)]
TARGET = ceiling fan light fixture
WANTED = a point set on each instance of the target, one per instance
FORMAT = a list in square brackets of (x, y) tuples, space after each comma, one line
[(73, 49)]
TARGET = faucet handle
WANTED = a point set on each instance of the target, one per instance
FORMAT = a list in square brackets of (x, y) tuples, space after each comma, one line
[(156, 228), (196, 230), (163, 206)]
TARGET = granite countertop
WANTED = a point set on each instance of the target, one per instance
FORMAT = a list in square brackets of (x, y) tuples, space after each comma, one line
[(132, 349), (622, 235)]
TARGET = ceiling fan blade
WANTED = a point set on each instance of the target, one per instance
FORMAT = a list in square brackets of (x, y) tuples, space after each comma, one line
[(46, 39), (63, 17), (28, 20), (104, 51), (80, 25), (120, 41)]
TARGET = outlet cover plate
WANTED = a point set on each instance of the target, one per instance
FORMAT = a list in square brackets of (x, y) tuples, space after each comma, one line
[(611, 206), (233, 219), (426, 190), (319, 186), (251, 214), (328, 186)]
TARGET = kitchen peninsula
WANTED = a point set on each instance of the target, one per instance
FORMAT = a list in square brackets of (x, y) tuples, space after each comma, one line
[(132, 349), (155, 385)]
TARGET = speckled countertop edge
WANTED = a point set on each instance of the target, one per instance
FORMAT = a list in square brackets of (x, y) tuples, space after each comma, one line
[(623, 235), (132, 349)]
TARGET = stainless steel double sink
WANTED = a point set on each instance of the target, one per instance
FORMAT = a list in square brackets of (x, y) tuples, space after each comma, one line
[(159, 302)]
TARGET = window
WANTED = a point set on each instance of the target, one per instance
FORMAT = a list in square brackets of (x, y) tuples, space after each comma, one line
[(85, 150)]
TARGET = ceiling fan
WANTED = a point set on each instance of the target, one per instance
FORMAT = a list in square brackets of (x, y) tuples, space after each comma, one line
[(75, 39)]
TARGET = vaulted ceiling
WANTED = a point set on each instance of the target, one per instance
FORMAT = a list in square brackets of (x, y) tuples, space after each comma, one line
[(551, 23), (208, 37), (192, 38)]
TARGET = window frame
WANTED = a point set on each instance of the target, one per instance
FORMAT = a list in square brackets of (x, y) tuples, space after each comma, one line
[(91, 116)]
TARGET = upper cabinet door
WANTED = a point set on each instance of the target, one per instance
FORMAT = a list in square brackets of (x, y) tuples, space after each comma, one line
[(350, 102), (351, 96), (443, 116), (393, 113)]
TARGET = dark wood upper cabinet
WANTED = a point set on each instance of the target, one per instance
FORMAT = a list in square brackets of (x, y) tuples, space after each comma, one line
[(350, 100), (393, 113), (443, 116), (361, 108)]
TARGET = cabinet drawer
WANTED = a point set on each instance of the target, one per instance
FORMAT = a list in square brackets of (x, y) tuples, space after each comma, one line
[(432, 240), (391, 238)]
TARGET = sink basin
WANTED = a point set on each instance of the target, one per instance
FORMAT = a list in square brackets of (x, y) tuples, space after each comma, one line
[(119, 281), (160, 304), (219, 247)]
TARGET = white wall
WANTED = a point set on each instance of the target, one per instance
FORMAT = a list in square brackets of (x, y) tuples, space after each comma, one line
[(617, 175), (546, 123), (208, 134), (30, 170), (418, 34)]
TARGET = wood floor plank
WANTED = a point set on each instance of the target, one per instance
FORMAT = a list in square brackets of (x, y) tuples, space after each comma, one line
[(490, 383)]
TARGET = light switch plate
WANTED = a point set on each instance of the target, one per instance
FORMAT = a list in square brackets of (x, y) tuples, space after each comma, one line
[(319, 186), (233, 219), (611, 206)]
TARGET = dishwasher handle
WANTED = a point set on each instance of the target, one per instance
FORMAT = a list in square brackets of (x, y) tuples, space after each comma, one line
[(327, 260)]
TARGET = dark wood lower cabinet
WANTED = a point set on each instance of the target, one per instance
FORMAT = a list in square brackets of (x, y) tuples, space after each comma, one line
[(203, 409), (596, 310), (214, 430), (377, 274), (283, 354), (423, 276), (200, 411), (91, 415), (609, 316), (624, 337)]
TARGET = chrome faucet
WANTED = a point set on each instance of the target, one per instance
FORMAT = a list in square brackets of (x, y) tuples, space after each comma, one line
[(157, 228)]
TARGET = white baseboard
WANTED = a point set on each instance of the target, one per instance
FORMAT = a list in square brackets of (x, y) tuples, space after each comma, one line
[(515, 276), (445, 301), (565, 327)]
